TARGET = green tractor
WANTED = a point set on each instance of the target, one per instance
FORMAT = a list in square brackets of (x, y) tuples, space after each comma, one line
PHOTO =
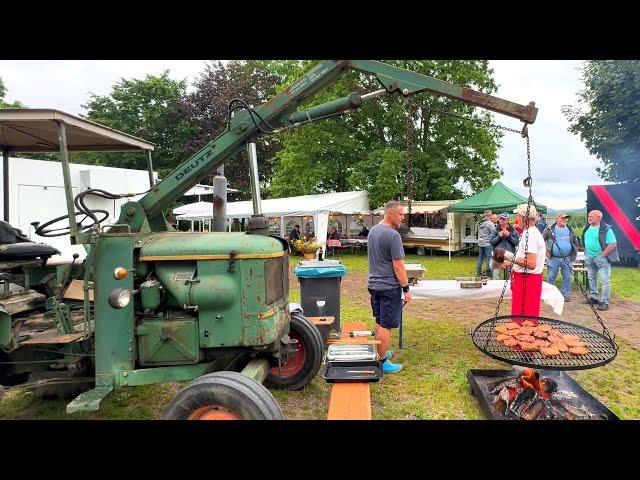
[(159, 305)]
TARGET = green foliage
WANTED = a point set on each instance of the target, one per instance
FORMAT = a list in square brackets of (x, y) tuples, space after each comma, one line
[(367, 148), (606, 117), (3, 102), (143, 108), (203, 114)]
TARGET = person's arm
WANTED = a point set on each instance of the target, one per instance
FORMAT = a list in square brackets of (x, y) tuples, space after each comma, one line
[(495, 238), (514, 238), (610, 248), (401, 272), (397, 258), (611, 241)]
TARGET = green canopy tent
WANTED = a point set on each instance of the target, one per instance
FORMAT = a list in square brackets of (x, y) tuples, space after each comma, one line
[(497, 198)]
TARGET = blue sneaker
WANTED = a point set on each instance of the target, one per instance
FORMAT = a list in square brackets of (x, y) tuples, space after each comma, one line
[(388, 355), (388, 367)]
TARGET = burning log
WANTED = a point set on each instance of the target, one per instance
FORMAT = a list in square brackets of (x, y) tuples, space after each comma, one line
[(530, 397)]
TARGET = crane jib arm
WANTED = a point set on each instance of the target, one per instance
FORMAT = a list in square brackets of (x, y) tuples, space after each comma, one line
[(281, 112)]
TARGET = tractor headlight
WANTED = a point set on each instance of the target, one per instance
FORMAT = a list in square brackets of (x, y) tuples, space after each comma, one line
[(120, 298), (120, 273)]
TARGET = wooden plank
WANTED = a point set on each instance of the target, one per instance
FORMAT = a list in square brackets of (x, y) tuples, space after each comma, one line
[(76, 292), (322, 320), (350, 401), (357, 340)]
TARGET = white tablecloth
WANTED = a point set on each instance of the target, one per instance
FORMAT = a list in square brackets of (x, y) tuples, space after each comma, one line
[(451, 289)]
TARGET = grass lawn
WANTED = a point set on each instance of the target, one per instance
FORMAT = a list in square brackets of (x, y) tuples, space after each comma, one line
[(436, 356)]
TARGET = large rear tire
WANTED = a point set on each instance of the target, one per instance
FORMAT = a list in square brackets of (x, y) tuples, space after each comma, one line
[(224, 396), (303, 368)]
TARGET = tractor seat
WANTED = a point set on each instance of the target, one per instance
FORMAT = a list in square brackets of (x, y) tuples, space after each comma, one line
[(26, 251)]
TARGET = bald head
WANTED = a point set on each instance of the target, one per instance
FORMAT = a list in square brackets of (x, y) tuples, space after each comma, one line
[(594, 217)]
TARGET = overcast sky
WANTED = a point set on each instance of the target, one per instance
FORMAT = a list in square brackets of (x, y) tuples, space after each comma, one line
[(562, 167)]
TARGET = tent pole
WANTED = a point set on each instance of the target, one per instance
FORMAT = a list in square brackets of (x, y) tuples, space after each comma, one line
[(66, 173), (152, 183), (5, 184)]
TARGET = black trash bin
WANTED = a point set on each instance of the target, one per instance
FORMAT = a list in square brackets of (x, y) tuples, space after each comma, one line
[(320, 288)]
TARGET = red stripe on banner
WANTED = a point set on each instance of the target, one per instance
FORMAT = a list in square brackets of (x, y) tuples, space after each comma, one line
[(618, 215)]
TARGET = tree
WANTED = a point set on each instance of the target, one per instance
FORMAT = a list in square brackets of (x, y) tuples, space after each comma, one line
[(3, 102), (142, 108), (607, 117), (367, 148), (203, 114)]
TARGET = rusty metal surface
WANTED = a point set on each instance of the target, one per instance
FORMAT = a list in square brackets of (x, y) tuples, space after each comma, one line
[(51, 337)]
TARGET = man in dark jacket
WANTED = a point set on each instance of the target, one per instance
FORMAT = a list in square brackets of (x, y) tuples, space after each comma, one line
[(600, 247), (562, 249), (505, 236)]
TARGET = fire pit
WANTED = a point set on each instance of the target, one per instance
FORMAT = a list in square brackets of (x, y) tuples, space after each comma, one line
[(534, 395)]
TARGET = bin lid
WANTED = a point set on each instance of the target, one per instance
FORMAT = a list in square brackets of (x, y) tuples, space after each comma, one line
[(320, 269)]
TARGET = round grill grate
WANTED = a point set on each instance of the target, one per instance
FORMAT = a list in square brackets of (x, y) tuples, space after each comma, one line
[(602, 350)]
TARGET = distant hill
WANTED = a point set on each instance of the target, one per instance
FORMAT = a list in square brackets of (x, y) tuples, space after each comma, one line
[(575, 211)]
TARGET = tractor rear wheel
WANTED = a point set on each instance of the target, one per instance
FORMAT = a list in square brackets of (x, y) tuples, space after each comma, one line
[(224, 396), (301, 369)]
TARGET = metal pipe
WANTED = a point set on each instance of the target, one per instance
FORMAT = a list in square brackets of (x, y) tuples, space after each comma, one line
[(66, 173), (152, 182), (253, 177), (376, 94), (5, 184), (351, 101), (219, 202)]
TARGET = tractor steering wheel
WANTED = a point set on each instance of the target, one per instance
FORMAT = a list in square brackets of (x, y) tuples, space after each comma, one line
[(43, 231)]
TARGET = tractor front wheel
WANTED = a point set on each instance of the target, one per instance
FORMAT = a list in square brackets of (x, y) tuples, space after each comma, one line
[(303, 367), (224, 396)]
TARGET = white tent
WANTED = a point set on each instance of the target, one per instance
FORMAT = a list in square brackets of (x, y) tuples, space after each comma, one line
[(319, 206)]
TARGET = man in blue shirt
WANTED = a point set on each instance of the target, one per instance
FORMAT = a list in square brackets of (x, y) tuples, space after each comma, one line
[(562, 250), (387, 279), (600, 250)]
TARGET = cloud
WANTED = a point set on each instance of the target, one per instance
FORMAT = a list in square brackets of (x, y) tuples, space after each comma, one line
[(561, 165)]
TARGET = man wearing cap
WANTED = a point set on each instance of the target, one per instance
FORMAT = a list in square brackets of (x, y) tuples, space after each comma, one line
[(562, 250), (528, 263), (600, 247), (505, 236), (484, 229)]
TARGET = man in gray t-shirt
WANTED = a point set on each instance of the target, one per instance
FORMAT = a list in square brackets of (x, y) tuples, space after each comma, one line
[(387, 279)]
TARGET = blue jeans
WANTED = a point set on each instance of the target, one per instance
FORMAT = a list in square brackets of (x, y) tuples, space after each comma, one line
[(484, 253), (562, 265), (599, 267)]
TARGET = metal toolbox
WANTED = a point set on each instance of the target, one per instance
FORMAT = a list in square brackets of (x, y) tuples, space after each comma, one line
[(351, 363), (352, 372), (351, 353)]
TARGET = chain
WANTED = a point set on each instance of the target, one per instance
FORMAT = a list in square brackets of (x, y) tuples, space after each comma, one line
[(476, 120), (528, 182)]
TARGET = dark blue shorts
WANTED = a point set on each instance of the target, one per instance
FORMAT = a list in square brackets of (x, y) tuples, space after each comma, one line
[(387, 307)]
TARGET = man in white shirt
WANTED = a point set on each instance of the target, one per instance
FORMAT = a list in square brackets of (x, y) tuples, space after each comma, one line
[(526, 273)]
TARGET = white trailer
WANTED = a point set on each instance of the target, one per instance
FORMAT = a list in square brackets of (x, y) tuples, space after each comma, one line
[(36, 194)]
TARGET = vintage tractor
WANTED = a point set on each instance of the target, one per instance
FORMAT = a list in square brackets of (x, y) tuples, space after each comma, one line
[(175, 306)]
